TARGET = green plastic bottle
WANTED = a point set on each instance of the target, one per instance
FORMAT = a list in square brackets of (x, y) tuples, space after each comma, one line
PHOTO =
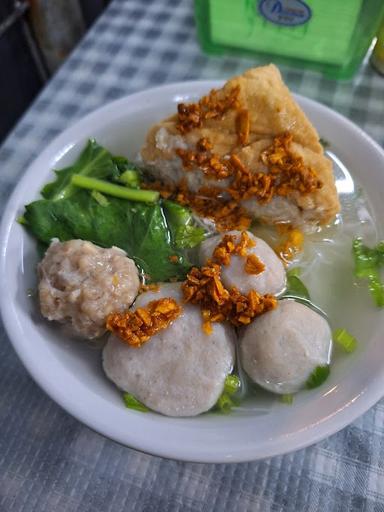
[(330, 36), (377, 58)]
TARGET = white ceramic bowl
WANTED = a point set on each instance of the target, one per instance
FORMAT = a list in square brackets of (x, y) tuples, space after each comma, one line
[(71, 373)]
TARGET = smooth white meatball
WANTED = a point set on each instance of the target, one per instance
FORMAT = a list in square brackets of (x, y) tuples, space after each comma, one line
[(281, 348), (271, 280), (180, 371), (81, 283)]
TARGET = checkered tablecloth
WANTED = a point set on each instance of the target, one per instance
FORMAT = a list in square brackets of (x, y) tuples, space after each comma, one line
[(50, 462)]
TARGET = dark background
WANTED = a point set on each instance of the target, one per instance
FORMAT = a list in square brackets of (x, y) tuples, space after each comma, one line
[(25, 67)]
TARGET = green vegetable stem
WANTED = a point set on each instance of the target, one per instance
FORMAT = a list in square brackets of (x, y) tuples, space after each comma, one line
[(94, 161), (110, 189)]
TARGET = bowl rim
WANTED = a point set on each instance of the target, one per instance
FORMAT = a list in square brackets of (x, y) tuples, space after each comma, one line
[(314, 433)]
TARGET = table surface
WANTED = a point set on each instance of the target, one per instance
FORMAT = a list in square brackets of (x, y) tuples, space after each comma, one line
[(49, 461)]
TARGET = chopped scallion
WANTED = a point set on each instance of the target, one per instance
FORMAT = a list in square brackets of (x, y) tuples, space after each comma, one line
[(366, 260), (317, 377), (132, 403), (224, 403), (376, 288), (232, 384), (367, 266), (287, 399), (345, 340)]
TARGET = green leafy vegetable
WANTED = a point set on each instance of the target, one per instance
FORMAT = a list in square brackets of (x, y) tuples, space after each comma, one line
[(295, 286), (149, 233), (287, 399), (185, 233), (138, 228), (94, 161), (22, 220), (297, 291), (100, 198), (188, 236), (324, 143), (146, 196), (123, 164), (133, 403), (368, 262), (294, 272), (380, 252), (130, 178), (345, 340), (317, 377), (177, 214)]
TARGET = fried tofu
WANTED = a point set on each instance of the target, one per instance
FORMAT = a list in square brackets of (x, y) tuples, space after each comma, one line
[(243, 119)]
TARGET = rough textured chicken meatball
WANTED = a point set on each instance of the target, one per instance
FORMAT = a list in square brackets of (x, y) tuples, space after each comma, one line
[(280, 349), (180, 371), (81, 283), (271, 280)]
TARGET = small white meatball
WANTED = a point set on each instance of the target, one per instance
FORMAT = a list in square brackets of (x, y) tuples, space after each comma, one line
[(181, 370), (81, 283), (271, 280), (281, 348)]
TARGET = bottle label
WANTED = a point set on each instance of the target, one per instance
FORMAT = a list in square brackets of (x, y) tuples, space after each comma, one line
[(285, 12)]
